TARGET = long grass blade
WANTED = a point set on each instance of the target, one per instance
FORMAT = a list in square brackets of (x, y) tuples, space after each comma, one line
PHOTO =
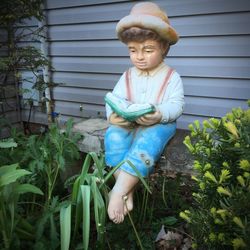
[(139, 176), (65, 226), (100, 210), (85, 190), (78, 213), (86, 166)]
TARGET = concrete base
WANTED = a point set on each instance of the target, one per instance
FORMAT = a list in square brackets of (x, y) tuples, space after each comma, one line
[(175, 158)]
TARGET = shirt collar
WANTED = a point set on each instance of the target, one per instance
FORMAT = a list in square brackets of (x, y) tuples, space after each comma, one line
[(150, 72)]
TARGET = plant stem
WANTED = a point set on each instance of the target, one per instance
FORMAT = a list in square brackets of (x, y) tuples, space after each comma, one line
[(133, 225)]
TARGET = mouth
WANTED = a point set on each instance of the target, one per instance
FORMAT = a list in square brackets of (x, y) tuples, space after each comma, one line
[(141, 64)]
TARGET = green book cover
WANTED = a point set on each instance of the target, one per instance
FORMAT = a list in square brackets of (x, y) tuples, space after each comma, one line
[(128, 110)]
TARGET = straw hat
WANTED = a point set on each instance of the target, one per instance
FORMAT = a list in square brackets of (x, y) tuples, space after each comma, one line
[(148, 15)]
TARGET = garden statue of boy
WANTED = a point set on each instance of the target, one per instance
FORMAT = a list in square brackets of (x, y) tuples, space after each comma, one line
[(148, 35)]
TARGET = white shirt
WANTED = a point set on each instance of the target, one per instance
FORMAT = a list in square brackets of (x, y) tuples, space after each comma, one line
[(145, 87)]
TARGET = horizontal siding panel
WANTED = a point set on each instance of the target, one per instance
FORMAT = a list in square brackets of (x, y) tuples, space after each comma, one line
[(185, 120), (220, 88), (9, 105), (83, 80), (88, 48), (36, 117), (206, 25), (97, 65), (217, 24), (89, 110), (225, 88), (226, 46), (211, 106), (213, 46), (11, 116), (79, 95), (203, 67), (212, 67), (198, 7), (95, 31), (89, 13), (66, 3), (9, 92)]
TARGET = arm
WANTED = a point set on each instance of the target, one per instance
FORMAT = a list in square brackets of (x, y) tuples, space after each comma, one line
[(173, 101)]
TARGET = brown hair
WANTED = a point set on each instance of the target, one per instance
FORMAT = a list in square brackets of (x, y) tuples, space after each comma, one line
[(135, 34)]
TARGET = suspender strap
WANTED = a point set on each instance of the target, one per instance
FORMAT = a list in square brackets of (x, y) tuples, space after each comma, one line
[(128, 85), (161, 90), (164, 86)]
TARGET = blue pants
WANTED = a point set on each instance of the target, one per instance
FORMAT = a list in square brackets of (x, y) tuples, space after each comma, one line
[(142, 146)]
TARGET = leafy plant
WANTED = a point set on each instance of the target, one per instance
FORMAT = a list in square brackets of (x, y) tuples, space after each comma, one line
[(220, 218), (11, 224), (47, 155)]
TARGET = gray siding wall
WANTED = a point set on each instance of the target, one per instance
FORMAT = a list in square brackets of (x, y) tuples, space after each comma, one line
[(212, 56)]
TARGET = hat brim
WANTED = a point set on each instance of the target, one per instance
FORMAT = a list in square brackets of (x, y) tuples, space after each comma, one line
[(163, 29)]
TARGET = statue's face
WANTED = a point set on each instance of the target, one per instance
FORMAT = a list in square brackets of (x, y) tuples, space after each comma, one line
[(146, 55)]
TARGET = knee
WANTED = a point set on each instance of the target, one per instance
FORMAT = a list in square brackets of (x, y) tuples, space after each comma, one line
[(117, 135)]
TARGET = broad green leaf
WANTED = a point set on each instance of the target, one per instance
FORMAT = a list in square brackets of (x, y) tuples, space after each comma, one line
[(8, 168), (12, 176), (65, 226), (28, 188), (8, 144), (85, 190)]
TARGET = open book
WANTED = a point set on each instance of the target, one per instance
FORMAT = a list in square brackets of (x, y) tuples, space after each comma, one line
[(128, 110)]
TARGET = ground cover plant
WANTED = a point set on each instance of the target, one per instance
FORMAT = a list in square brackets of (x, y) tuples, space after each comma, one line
[(42, 208), (59, 212)]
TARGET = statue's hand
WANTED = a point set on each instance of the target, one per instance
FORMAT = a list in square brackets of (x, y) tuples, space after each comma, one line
[(119, 121), (150, 119)]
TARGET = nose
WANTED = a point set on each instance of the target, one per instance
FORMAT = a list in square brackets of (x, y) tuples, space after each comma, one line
[(140, 55)]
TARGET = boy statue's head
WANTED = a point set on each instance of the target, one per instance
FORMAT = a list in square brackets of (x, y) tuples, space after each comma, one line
[(147, 25)]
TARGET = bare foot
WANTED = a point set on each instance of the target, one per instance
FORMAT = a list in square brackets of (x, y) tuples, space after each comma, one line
[(124, 186), (116, 207), (128, 202)]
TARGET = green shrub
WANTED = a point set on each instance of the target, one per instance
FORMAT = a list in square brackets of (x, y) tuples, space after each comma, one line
[(220, 217)]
